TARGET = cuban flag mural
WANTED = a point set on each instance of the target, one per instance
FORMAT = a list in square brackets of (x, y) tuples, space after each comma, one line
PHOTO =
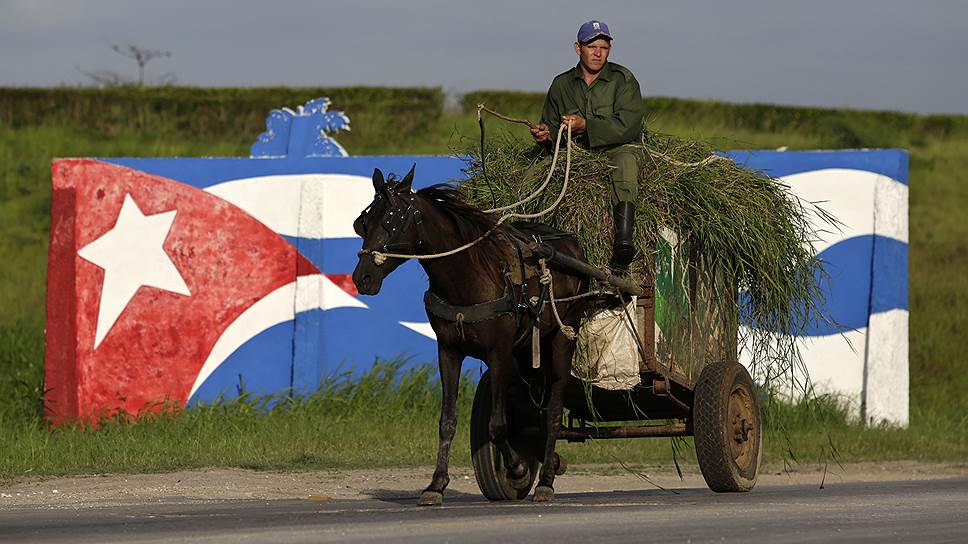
[(182, 281)]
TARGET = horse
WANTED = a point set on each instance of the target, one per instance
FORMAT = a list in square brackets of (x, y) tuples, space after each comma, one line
[(486, 301)]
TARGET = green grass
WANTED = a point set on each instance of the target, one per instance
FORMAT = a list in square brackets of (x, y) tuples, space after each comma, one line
[(388, 418), (383, 418), (376, 423)]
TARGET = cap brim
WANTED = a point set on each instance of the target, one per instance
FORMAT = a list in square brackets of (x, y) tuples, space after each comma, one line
[(595, 37)]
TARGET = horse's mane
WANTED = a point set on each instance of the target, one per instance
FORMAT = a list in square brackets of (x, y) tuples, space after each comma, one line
[(471, 223)]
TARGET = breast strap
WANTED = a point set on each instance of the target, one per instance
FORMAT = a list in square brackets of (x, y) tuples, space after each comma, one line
[(474, 313)]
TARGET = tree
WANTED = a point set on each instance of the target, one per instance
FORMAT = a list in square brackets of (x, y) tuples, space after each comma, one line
[(142, 56)]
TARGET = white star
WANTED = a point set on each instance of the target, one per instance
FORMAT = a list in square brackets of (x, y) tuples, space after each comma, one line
[(132, 254)]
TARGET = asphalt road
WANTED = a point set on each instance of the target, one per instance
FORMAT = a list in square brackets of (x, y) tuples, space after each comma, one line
[(910, 511)]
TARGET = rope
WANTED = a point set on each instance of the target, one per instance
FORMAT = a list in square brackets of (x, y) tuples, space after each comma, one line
[(659, 155), (551, 171), (482, 107), (583, 295), (564, 183), (546, 279), (379, 257), (480, 122)]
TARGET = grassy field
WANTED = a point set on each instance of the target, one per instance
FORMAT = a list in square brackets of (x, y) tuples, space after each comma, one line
[(387, 419)]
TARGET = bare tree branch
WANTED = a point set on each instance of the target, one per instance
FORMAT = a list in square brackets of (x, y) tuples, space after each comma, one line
[(141, 55), (105, 78)]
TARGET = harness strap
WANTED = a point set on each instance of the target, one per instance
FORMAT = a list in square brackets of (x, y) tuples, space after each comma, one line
[(474, 313)]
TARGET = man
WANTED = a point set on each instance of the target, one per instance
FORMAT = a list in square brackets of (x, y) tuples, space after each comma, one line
[(602, 102)]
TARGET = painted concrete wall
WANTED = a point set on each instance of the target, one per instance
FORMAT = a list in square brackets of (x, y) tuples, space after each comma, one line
[(180, 280), (865, 355)]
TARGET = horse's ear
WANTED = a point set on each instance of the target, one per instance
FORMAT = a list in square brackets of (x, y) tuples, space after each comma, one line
[(378, 182), (407, 182)]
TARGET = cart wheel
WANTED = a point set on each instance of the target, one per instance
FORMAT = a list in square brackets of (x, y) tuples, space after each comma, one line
[(728, 428), (489, 470)]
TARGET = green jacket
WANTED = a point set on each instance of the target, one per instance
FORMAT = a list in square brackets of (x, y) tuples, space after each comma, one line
[(612, 106)]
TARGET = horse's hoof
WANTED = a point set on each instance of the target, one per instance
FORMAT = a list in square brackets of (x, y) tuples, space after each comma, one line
[(562, 466), (543, 493), (431, 498)]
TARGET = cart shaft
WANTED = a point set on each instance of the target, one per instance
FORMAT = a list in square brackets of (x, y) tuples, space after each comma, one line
[(584, 433)]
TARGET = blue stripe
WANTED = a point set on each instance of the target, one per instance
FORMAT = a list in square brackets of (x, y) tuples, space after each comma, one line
[(848, 282), (205, 172), (890, 275), (892, 163), (261, 366), (330, 255)]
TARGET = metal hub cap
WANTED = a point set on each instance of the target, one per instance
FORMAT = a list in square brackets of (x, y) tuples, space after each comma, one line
[(741, 419)]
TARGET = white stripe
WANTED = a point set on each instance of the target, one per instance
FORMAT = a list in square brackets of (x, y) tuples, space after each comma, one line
[(891, 210), (305, 205), (277, 307), (850, 196), (835, 364), (421, 328), (886, 393)]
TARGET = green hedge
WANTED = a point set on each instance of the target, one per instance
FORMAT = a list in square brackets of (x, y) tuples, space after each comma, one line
[(380, 114), (837, 128), (218, 112)]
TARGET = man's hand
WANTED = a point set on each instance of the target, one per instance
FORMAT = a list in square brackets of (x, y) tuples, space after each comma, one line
[(577, 123), (540, 133)]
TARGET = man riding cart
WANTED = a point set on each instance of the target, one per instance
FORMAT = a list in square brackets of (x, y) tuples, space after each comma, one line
[(602, 103)]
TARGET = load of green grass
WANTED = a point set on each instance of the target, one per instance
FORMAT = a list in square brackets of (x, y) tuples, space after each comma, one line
[(745, 226)]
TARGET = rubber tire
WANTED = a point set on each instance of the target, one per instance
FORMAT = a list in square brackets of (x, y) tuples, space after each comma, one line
[(489, 470), (714, 432)]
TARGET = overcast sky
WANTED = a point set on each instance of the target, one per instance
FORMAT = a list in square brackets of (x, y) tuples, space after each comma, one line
[(869, 54)]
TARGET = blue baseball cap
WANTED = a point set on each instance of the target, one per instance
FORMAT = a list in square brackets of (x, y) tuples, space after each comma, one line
[(593, 30)]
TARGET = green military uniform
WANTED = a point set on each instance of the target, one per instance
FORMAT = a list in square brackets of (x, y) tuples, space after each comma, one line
[(613, 110)]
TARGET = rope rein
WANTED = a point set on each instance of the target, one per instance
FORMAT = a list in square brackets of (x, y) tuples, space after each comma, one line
[(482, 107), (551, 171), (380, 257)]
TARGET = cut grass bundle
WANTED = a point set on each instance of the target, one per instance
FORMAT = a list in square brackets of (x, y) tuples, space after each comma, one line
[(744, 226)]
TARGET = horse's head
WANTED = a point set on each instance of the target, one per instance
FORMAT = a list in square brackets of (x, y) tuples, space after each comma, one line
[(389, 224)]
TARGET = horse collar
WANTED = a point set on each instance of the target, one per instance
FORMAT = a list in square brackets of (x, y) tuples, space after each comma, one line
[(473, 313)]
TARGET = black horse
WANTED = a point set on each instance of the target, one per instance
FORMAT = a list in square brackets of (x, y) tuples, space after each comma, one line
[(487, 301)]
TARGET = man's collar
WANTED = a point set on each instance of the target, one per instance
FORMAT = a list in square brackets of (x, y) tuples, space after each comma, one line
[(604, 75)]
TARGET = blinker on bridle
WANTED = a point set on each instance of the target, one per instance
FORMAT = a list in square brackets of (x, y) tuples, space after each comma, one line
[(395, 221)]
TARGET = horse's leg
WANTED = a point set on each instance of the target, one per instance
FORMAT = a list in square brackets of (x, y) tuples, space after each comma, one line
[(562, 349), (500, 365), (450, 362)]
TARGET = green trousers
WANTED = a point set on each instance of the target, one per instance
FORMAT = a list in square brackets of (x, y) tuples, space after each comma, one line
[(625, 173), (625, 161)]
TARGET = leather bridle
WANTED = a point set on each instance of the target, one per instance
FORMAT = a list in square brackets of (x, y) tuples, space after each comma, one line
[(401, 213)]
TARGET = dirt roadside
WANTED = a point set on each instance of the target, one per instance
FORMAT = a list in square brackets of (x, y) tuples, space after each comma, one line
[(400, 483)]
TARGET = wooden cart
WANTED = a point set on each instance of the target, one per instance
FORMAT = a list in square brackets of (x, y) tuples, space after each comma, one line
[(690, 382)]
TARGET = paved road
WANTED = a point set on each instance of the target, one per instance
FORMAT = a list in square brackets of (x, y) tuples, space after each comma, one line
[(911, 511)]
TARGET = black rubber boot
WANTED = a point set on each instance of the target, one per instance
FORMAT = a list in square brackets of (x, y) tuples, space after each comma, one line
[(623, 249)]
